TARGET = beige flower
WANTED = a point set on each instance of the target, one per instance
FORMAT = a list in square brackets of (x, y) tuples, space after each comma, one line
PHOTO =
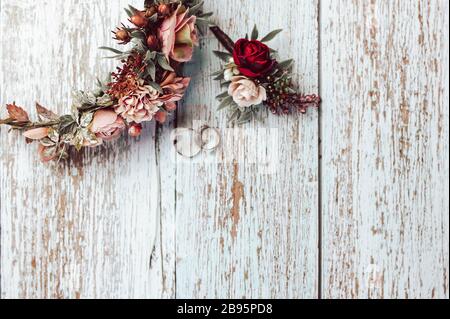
[(245, 92), (141, 106)]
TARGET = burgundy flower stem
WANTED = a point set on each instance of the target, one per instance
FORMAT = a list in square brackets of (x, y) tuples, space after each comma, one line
[(223, 38)]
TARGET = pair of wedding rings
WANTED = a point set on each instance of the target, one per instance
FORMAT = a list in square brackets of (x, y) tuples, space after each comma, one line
[(189, 142)]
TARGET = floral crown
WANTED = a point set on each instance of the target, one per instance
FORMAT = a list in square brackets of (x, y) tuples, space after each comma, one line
[(145, 87)]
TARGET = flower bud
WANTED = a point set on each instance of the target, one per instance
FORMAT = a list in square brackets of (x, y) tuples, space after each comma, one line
[(164, 9), (152, 42), (161, 117), (139, 20), (135, 130), (123, 35)]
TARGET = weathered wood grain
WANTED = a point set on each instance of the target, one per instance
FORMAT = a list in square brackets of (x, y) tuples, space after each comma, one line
[(243, 231), (385, 148), (223, 226), (86, 229)]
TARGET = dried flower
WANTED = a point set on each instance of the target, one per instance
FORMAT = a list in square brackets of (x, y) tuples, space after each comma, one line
[(126, 79), (245, 92), (123, 36), (178, 36), (174, 88), (107, 125), (140, 106), (145, 87)]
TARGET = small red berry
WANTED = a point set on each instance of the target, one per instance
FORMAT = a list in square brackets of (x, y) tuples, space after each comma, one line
[(152, 42), (135, 130)]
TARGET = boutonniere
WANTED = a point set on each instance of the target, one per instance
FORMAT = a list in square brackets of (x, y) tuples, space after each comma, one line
[(146, 86), (254, 78)]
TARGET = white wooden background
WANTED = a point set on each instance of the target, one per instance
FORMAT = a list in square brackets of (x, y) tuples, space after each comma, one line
[(357, 208)]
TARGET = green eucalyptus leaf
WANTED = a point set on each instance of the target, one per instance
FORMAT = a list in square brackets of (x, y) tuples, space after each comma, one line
[(225, 103), (138, 34), (111, 49), (217, 73), (271, 35), (162, 61), (224, 56), (286, 64), (129, 13), (196, 8), (225, 84), (255, 33), (222, 96), (234, 116), (206, 15), (151, 70), (133, 9)]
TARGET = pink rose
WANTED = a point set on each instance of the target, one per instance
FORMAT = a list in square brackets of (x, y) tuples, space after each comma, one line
[(178, 36), (107, 125)]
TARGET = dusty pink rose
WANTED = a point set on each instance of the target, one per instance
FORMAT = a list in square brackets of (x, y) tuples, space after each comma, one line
[(174, 88), (178, 36), (245, 92), (37, 133), (141, 106), (107, 125)]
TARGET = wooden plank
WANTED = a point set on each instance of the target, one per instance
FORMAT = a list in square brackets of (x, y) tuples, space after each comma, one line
[(385, 152), (243, 232), (84, 230)]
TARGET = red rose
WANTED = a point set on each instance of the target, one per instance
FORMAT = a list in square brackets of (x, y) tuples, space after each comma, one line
[(252, 58)]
